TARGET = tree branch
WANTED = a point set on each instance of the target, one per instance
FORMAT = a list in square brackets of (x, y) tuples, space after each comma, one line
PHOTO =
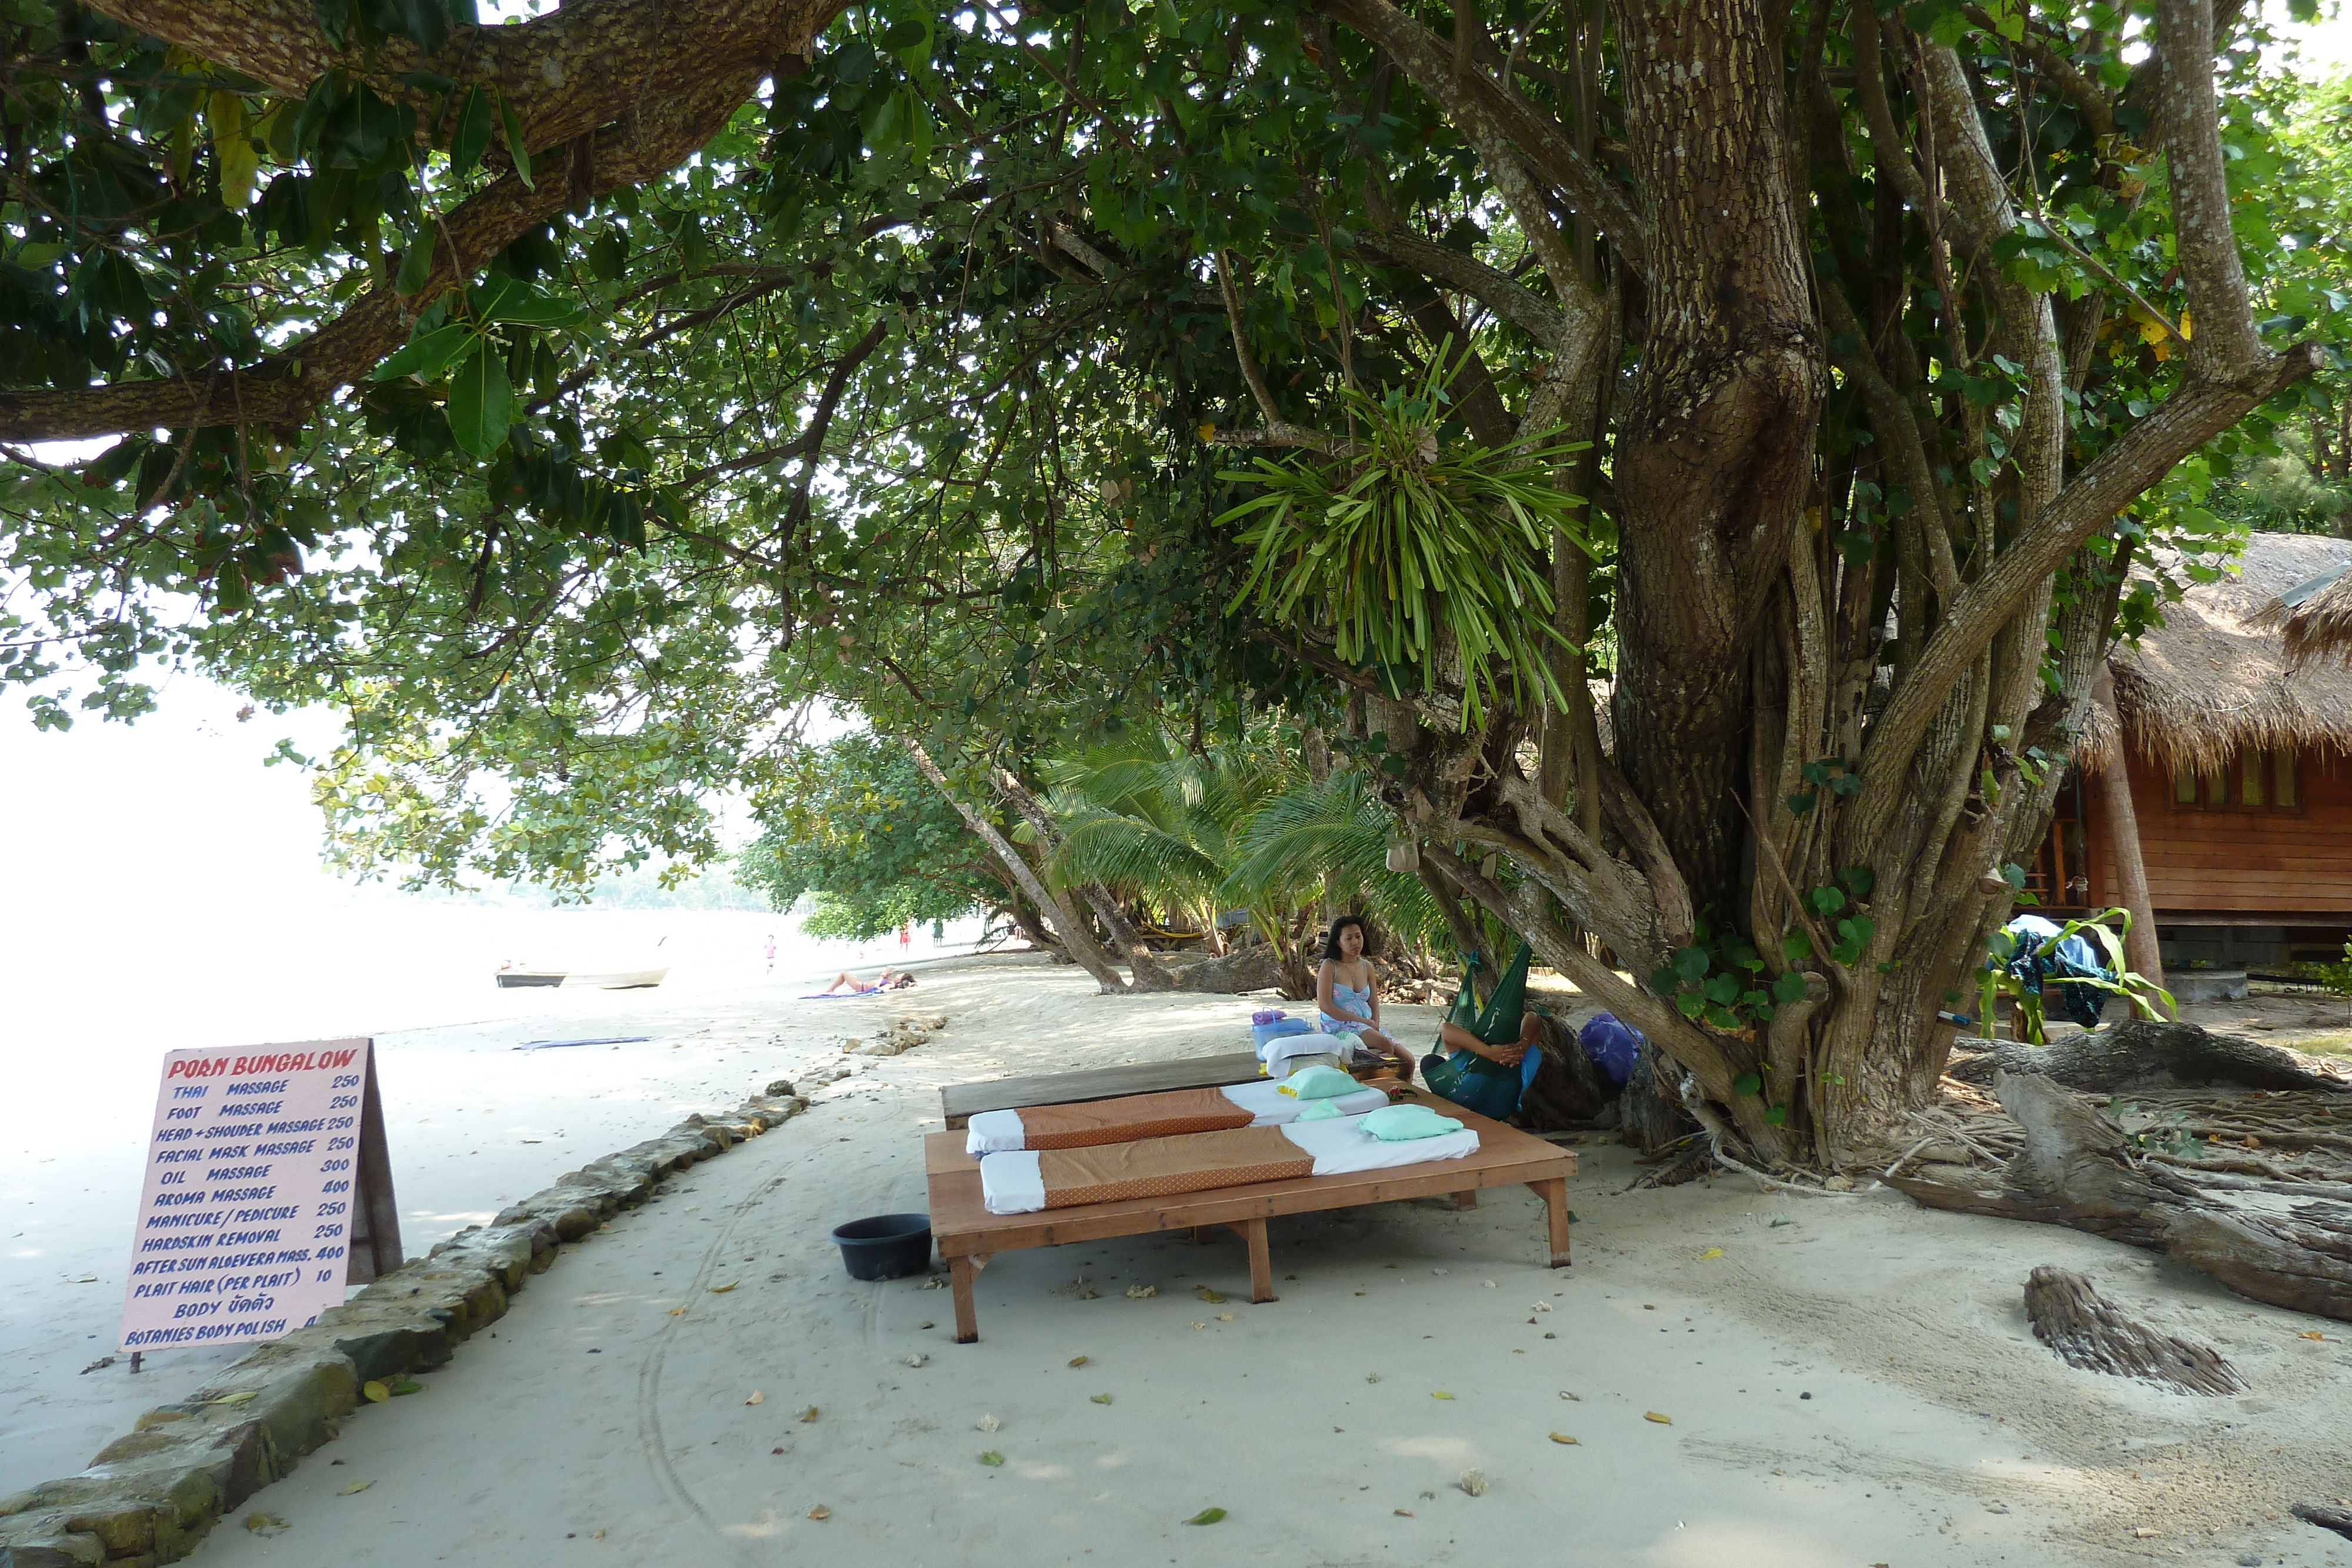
[(2223, 343), (1474, 97)]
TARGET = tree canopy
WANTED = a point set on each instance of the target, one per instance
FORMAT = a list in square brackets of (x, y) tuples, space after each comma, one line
[(1714, 437)]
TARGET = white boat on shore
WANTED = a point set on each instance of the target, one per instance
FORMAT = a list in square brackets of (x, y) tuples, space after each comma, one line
[(609, 980)]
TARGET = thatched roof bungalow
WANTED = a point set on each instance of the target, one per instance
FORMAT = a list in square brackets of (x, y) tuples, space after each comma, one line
[(2238, 763)]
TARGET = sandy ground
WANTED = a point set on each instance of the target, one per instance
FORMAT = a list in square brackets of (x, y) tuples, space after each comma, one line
[(472, 1123), (1848, 1380)]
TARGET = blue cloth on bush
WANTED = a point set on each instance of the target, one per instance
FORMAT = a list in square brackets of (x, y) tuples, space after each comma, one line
[(2074, 958), (1612, 1044)]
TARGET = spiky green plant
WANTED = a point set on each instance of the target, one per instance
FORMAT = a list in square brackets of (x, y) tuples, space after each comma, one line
[(1413, 540)]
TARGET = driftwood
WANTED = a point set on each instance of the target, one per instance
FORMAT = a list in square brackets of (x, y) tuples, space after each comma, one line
[(2336, 1518), (2138, 1056), (2090, 1331), (2275, 1242), (1232, 974)]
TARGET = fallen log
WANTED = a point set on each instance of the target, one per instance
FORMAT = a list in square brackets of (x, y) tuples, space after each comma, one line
[(2080, 1169), (2139, 1055), (2091, 1333)]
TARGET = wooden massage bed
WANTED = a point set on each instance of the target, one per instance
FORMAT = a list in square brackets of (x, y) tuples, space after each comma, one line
[(967, 1235)]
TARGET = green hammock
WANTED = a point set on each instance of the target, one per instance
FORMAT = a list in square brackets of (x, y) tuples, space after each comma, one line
[(1498, 1022)]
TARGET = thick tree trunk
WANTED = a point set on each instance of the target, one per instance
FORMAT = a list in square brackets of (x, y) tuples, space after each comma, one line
[(1708, 482)]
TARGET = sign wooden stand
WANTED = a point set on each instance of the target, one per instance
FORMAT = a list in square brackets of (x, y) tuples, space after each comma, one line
[(211, 1257), (375, 1217)]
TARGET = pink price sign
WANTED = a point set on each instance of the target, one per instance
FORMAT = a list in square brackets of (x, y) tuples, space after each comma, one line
[(245, 1228)]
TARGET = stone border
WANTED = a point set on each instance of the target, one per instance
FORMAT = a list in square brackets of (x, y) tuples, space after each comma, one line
[(150, 1496)]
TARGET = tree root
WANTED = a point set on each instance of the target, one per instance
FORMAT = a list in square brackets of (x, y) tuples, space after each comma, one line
[(2079, 1168), (2336, 1518), (2090, 1331), (2139, 1055)]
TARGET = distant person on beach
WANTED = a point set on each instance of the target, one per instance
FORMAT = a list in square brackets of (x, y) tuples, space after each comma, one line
[(906, 938), (771, 953), (889, 980), (1347, 992)]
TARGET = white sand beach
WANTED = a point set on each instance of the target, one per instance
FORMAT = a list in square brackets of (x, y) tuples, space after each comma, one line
[(1845, 1380)]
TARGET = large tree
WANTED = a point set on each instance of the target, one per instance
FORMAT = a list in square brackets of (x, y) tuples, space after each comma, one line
[(568, 400)]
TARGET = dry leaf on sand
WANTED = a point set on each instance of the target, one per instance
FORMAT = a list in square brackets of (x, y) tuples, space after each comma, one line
[(376, 1391), (723, 1290), (991, 1457), (1099, 1399), (1078, 1361), (1661, 1420), (355, 1486), (1439, 1394), (820, 1512), (809, 1414), (1561, 1437), (756, 1398)]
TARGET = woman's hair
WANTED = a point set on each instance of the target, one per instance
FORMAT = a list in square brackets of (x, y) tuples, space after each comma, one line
[(1331, 939)]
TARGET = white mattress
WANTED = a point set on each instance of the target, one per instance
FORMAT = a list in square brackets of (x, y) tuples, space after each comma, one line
[(994, 1131), (1010, 1183)]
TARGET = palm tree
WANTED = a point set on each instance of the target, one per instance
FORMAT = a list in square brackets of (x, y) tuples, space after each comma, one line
[(1238, 824)]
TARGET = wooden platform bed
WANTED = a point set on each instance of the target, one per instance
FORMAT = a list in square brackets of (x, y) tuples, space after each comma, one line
[(969, 1236)]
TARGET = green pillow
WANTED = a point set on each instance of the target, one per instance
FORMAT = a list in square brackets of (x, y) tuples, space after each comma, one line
[(1319, 1084), (1321, 1111), (1395, 1123)]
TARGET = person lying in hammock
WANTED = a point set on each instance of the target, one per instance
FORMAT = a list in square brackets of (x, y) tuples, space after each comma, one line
[(890, 980)]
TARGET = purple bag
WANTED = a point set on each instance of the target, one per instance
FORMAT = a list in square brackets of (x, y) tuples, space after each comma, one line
[(1612, 1044)]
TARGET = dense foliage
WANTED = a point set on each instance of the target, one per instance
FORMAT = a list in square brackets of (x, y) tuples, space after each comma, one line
[(569, 440)]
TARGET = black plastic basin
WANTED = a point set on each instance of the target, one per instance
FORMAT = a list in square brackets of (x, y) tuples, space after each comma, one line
[(887, 1247)]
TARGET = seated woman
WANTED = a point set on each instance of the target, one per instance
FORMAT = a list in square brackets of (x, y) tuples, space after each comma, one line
[(1452, 1037), (889, 980), (1347, 992)]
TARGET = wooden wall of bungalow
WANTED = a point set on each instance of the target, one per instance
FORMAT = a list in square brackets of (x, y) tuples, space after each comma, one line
[(2213, 856), (2239, 769)]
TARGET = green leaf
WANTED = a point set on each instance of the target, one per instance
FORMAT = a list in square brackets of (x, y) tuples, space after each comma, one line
[(1859, 879), (1691, 963), (510, 127), (1796, 947), (415, 265), (1801, 802), (1207, 1516), (1826, 900), (481, 402), (472, 135), (1747, 1083), (425, 357), (226, 117), (1778, 1116), (1790, 987), (426, 22), (1724, 989), (1691, 1003), (504, 298)]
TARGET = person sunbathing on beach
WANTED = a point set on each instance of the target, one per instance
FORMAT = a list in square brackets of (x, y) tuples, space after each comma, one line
[(1348, 993), (889, 980)]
